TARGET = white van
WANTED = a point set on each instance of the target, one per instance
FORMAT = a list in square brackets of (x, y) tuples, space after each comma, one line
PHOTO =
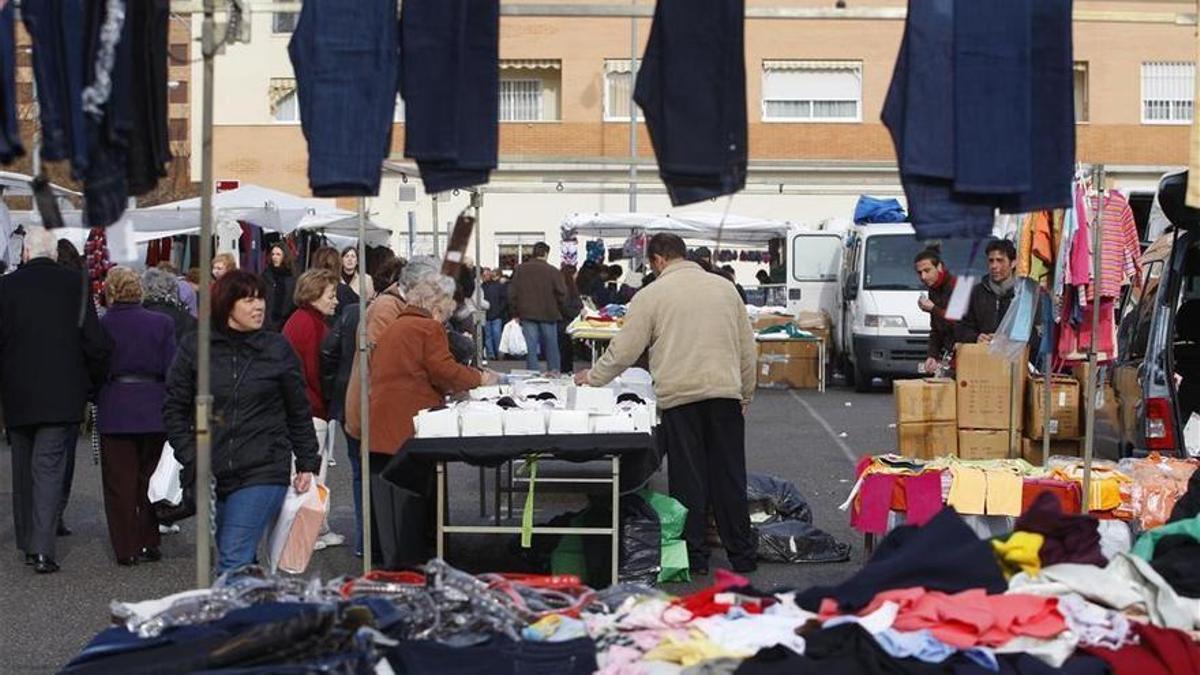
[(814, 263), (881, 331)]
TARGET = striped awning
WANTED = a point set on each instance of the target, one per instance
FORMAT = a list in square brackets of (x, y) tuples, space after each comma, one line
[(792, 64), (530, 64)]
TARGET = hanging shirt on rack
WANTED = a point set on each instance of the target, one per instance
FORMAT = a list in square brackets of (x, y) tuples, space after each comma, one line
[(1120, 250)]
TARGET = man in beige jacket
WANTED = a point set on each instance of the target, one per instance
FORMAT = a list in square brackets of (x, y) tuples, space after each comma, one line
[(702, 358)]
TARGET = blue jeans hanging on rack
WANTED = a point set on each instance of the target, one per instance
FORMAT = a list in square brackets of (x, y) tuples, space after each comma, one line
[(106, 186), (345, 58), (10, 139), (691, 87), (450, 81)]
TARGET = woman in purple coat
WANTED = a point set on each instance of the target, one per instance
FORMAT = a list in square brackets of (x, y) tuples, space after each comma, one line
[(129, 416)]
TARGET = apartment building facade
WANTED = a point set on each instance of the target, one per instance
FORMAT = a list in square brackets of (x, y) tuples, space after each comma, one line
[(815, 90)]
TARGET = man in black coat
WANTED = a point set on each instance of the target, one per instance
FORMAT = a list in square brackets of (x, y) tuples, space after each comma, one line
[(940, 282), (990, 298), (53, 357)]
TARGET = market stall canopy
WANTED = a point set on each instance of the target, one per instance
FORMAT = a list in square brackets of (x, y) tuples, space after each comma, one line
[(709, 227), (269, 209), (18, 185)]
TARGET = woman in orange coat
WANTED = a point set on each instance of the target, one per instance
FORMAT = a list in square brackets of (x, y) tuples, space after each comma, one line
[(411, 369)]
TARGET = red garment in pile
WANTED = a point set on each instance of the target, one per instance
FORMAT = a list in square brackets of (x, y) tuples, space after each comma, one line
[(1160, 650), (967, 619), (706, 603)]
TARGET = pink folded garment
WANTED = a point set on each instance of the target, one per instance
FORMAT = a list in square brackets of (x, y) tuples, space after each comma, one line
[(923, 494), (875, 503), (970, 618)]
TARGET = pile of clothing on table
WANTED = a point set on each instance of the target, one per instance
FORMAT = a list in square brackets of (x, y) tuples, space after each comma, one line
[(1139, 492)]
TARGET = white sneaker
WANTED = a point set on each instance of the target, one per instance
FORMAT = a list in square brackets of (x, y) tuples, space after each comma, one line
[(168, 529), (332, 461), (327, 540)]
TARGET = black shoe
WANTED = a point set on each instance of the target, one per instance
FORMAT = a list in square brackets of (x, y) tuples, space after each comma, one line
[(127, 562), (63, 530), (149, 555), (30, 558), (44, 565)]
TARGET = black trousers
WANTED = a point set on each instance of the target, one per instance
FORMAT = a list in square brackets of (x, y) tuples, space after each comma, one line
[(126, 463), (39, 467), (706, 466), (400, 520)]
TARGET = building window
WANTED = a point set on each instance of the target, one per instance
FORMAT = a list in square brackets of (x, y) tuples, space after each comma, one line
[(520, 100), (812, 91), (618, 87), (514, 249), (1081, 91), (287, 108), (1168, 88), (284, 22)]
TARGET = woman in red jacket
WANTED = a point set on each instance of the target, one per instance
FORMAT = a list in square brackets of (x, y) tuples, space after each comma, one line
[(316, 300)]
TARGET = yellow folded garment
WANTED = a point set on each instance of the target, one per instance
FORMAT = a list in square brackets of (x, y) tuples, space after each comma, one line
[(1003, 492), (968, 491), (690, 652), (1106, 486), (1019, 553)]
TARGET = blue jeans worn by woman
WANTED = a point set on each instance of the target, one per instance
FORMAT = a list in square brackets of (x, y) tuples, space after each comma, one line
[(541, 336), (354, 451), (244, 517)]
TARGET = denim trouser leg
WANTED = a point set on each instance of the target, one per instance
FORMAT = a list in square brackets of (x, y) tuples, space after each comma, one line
[(8, 61), (548, 331), (244, 517), (354, 453), (491, 334), (345, 59), (533, 343)]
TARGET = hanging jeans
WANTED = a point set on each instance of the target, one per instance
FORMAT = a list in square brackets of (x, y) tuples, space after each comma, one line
[(691, 87), (541, 336), (450, 81), (106, 184), (244, 517), (10, 134), (345, 58)]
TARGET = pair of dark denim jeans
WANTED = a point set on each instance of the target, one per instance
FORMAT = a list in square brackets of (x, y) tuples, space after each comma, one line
[(345, 56), (450, 81), (56, 28), (691, 88), (10, 133), (981, 111)]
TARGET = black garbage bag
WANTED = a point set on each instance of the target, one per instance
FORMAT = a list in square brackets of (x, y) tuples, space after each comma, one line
[(796, 541), (777, 498), (641, 541)]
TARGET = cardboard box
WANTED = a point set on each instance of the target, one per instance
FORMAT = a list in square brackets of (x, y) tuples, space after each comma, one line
[(983, 443), (1110, 412), (817, 323), (928, 400), (1064, 407), (1031, 450), (991, 389), (927, 440), (789, 364)]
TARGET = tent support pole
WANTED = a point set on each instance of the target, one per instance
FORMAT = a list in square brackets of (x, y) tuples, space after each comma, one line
[(364, 385), (480, 315), (1089, 439), (204, 505), (436, 253), (633, 148)]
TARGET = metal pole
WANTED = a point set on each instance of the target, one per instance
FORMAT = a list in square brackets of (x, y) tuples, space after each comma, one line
[(204, 504), (364, 385), (412, 232), (436, 253), (1047, 400), (1090, 404), (480, 315), (633, 149)]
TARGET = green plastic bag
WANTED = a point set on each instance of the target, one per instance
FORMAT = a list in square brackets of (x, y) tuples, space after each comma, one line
[(671, 516), (790, 329)]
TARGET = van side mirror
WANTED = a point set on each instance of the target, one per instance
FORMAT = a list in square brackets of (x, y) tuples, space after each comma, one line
[(850, 290)]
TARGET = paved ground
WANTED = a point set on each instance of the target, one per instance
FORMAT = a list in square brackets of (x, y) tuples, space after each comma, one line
[(806, 437)]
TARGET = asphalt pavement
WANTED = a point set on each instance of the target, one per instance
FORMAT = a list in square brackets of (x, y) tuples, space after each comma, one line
[(806, 437)]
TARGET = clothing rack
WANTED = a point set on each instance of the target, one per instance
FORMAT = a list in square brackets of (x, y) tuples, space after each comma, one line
[(209, 49), (1089, 431)]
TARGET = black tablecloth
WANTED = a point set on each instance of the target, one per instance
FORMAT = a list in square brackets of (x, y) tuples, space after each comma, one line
[(412, 467)]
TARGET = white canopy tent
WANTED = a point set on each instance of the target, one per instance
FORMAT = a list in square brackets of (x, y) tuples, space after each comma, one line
[(707, 227)]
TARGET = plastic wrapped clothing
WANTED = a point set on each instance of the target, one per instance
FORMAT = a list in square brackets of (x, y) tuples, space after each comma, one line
[(874, 210)]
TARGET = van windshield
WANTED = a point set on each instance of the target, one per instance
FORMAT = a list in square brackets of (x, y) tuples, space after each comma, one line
[(888, 263)]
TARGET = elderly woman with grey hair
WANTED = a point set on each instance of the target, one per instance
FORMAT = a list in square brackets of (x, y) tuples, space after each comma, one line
[(161, 294)]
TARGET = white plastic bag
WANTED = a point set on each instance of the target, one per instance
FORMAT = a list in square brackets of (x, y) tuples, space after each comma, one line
[(164, 483), (306, 527), (512, 340), (1191, 435), (283, 524)]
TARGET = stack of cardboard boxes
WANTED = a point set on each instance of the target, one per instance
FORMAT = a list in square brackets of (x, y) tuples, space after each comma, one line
[(926, 417), (991, 393), (1064, 424), (792, 364)]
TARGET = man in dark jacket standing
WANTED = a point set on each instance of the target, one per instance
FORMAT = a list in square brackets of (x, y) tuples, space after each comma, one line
[(536, 297), (53, 357), (991, 297), (940, 282), (495, 292)]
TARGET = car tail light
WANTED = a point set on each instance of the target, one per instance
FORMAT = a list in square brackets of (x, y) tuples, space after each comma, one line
[(1160, 424)]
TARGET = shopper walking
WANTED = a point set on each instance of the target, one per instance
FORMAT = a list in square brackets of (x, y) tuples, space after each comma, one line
[(571, 309), (703, 369), (316, 298), (349, 279), (161, 295), (222, 264), (53, 356), (69, 257), (129, 415), (495, 292), (261, 418), (536, 297), (281, 286)]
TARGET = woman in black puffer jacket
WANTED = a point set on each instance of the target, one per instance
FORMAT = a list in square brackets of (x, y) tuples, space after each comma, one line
[(261, 418)]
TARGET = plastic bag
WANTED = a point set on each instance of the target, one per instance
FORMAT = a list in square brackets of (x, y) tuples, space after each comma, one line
[(310, 508), (1191, 436), (641, 541), (165, 485), (512, 340), (672, 516), (1016, 327), (796, 541), (773, 499)]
